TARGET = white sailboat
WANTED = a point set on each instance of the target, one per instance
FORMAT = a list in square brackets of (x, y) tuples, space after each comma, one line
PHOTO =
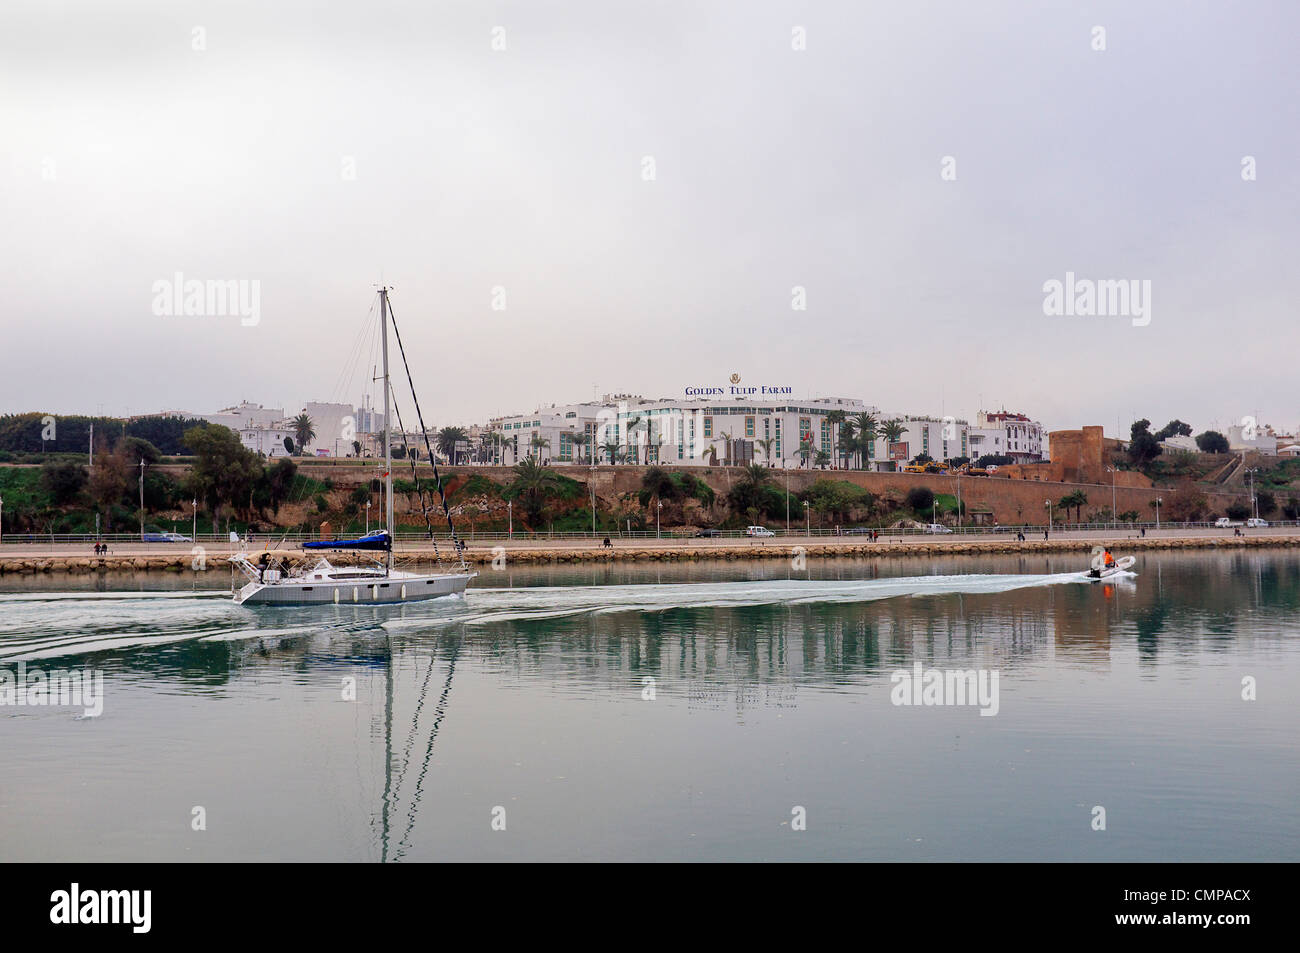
[(381, 583)]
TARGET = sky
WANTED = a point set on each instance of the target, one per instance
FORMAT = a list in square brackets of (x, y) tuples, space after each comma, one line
[(579, 197)]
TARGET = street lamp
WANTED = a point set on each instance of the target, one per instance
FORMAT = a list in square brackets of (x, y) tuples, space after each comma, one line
[(142, 499), (367, 517), (1158, 502), (1254, 501), (591, 483), (510, 514), (659, 508), (1048, 504), (1114, 517), (194, 533)]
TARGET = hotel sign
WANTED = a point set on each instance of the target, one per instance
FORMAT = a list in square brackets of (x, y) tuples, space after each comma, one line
[(765, 390)]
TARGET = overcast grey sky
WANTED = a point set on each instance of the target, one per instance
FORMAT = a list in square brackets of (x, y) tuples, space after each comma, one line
[(129, 156)]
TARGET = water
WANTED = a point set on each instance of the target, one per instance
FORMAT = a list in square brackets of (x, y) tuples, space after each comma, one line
[(772, 692)]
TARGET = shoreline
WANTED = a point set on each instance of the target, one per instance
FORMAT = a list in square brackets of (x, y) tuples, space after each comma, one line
[(480, 555)]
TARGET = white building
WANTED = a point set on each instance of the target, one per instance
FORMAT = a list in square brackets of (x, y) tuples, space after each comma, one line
[(939, 438), (1006, 434), (548, 434), (704, 431), (1246, 437), (335, 426), (267, 441), (245, 415)]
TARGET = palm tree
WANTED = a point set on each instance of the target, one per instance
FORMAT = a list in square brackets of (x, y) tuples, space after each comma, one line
[(657, 485), (447, 439), (805, 449), (579, 440), (847, 445), (766, 443), (303, 432), (821, 459), (612, 449), (537, 442), (1076, 501), (727, 439), (533, 485), (488, 442), (891, 431), (631, 454), (865, 423), (836, 419)]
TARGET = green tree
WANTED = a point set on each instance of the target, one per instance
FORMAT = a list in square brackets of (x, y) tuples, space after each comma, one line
[(920, 500), (865, 426), (303, 431), (135, 449), (1211, 441), (63, 480), (533, 486), (1143, 447), (579, 439), (107, 484), (1175, 428), (537, 442), (447, 439), (613, 450), (1074, 501), (224, 469)]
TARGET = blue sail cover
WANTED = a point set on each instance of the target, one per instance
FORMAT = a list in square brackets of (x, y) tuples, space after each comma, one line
[(381, 542)]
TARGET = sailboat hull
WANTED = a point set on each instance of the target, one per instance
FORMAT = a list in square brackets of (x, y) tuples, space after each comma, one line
[(372, 590)]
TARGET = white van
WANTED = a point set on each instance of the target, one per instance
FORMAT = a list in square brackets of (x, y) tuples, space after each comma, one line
[(758, 531), (1256, 522), (937, 528), (1224, 523)]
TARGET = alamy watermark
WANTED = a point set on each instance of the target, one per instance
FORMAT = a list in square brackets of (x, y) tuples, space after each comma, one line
[(1086, 297), (58, 688), (951, 687), (177, 297)]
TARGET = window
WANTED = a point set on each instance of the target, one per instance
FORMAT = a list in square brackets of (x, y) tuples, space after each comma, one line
[(749, 426), (708, 426)]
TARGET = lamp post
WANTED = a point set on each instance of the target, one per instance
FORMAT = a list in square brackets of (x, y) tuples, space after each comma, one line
[(1048, 504), (1114, 516), (591, 483), (510, 515), (367, 517), (787, 496), (142, 499), (194, 533), (1254, 502), (1158, 502), (659, 508)]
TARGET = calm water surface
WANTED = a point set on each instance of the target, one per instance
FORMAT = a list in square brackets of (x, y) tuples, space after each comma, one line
[(771, 691)]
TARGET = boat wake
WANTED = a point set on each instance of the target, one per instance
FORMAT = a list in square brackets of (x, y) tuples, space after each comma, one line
[(56, 624), (487, 606)]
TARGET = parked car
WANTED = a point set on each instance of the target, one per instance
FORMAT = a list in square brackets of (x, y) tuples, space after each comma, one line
[(858, 531), (1255, 521), (1224, 523), (165, 538), (758, 531), (708, 534), (937, 528)]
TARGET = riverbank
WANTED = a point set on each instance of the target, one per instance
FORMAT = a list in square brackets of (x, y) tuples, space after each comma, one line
[(661, 551)]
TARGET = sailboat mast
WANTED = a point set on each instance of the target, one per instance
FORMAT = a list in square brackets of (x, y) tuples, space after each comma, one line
[(388, 442)]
